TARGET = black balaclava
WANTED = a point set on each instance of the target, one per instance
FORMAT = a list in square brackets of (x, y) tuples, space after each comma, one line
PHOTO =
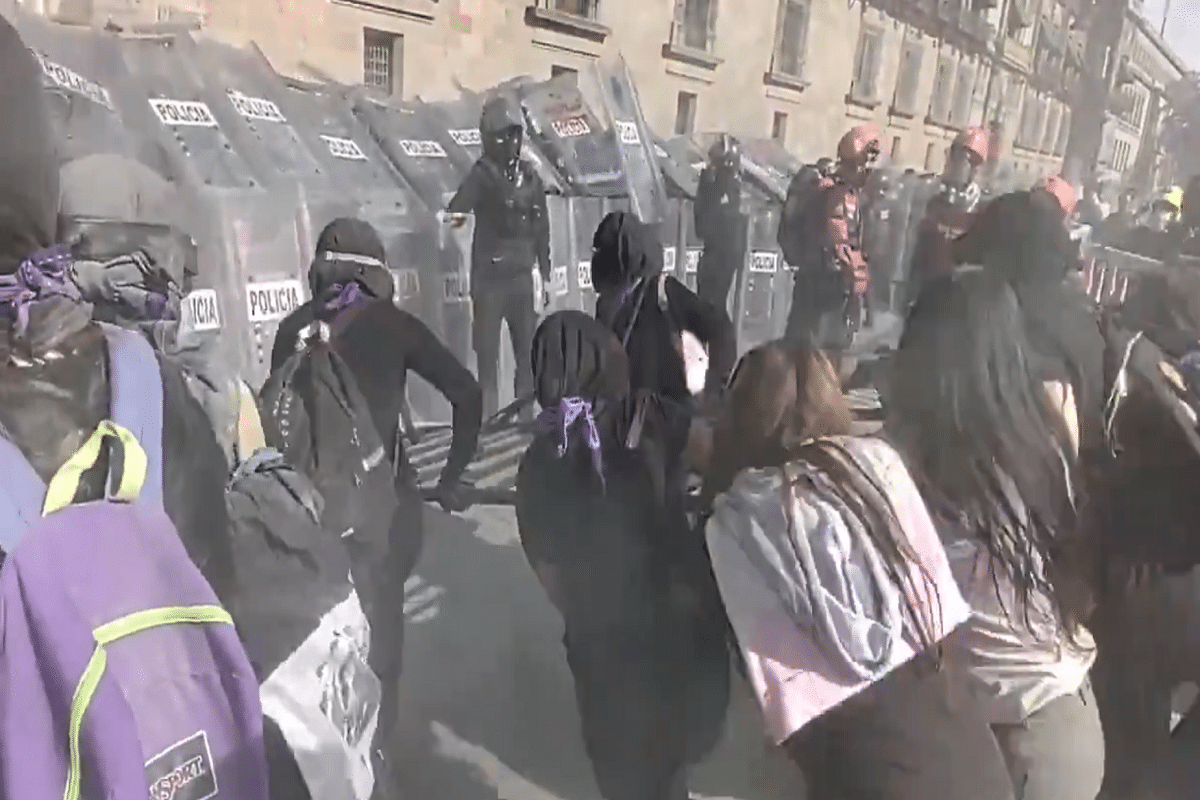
[(29, 177), (623, 253), (348, 251), (725, 155), (502, 130)]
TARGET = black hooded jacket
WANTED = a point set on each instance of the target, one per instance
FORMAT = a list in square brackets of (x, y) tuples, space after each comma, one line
[(50, 409), (626, 257), (383, 343), (610, 538)]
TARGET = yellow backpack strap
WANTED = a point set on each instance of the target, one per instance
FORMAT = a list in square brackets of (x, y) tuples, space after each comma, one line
[(61, 490)]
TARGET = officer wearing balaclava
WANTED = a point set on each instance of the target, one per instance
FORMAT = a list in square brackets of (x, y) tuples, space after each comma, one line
[(720, 221), (512, 237)]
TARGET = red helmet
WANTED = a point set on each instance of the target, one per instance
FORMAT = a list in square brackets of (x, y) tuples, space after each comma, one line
[(858, 142), (974, 141), (1062, 191)]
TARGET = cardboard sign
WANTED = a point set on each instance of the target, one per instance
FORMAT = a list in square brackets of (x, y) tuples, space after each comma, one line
[(182, 113), (272, 300)]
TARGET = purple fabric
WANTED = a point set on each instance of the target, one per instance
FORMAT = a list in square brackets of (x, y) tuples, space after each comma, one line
[(562, 419), (186, 692), (344, 295), (44, 274)]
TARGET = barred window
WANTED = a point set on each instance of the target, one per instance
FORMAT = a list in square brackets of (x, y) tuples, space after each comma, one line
[(383, 54)]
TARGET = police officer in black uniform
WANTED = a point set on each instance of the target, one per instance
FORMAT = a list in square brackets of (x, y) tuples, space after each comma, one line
[(720, 222), (512, 237)]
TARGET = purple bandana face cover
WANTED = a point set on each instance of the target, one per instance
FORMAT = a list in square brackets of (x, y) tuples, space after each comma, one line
[(563, 419), (43, 275), (344, 295)]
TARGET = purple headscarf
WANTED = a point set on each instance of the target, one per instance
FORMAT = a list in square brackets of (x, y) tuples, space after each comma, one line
[(42, 276), (568, 416)]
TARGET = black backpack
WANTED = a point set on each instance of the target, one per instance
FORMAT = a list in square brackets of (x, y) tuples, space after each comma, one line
[(314, 413), (303, 625), (795, 222)]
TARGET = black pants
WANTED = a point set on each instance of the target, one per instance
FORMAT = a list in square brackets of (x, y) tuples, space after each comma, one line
[(406, 540), (907, 737), (494, 302), (715, 275)]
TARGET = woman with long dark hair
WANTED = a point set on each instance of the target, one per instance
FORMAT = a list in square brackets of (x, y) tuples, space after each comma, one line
[(995, 463), (840, 594), (649, 662)]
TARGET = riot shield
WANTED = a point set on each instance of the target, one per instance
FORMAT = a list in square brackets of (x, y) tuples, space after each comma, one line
[(363, 182), (885, 219), (616, 92), (110, 170), (770, 163), (249, 248), (764, 287), (682, 165), (245, 93)]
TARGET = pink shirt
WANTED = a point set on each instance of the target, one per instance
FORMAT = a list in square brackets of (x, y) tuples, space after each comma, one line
[(792, 680)]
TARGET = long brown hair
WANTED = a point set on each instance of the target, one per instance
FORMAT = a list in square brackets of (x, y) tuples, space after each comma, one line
[(780, 396), (785, 403)]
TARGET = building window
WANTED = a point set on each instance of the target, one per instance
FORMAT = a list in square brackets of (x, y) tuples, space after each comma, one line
[(779, 127), (895, 152), (943, 88), (1025, 126), (383, 61), (908, 78), (791, 36), (695, 24), (867, 61), (1064, 132), (557, 69), (1051, 135), (685, 114), (964, 91), (588, 9), (930, 152)]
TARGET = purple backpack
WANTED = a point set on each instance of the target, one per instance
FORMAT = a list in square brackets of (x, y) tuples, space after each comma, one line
[(121, 676)]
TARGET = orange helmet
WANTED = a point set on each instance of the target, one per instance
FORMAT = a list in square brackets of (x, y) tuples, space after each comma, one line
[(974, 141), (854, 146), (1058, 188)]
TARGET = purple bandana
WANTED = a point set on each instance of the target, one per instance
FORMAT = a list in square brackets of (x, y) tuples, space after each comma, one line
[(344, 295), (44, 274), (561, 419)]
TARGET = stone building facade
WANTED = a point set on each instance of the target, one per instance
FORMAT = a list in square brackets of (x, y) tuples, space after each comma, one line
[(802, 71)]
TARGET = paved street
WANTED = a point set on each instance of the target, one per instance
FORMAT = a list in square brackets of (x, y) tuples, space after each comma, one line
[(489, 708)]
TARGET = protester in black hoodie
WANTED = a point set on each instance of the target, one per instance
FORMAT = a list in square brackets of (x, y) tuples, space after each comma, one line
[(380, 346), (650, 666)]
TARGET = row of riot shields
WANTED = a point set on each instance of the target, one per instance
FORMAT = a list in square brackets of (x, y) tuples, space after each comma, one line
[(210, 139)]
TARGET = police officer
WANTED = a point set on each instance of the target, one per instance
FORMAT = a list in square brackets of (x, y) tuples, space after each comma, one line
[(828, 301), (949, 212), (720, 221), (512, 237)]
